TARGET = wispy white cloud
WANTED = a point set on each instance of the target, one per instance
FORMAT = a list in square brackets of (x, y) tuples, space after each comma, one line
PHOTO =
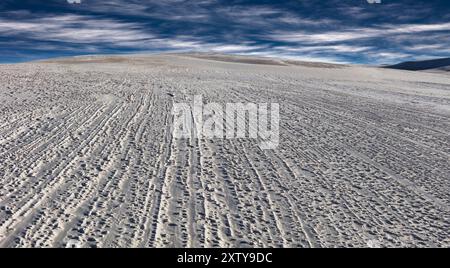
[(349, 32), (87, 30), (327, 48), (382, 31), (76, 29)]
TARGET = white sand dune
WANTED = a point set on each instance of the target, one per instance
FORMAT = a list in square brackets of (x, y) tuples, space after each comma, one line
[(88, 158)]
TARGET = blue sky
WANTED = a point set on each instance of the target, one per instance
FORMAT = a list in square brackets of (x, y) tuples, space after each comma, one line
[(351, 31)]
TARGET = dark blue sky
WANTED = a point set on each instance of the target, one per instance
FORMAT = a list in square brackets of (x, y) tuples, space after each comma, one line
[(336, 30)]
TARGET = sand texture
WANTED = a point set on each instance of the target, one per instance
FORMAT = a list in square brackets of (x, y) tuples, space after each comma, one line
[(88, 156)]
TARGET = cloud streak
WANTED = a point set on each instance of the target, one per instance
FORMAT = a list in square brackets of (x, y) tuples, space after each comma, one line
[(337, 31)]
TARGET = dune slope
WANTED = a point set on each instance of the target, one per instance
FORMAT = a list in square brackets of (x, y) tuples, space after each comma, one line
[(89, 158)]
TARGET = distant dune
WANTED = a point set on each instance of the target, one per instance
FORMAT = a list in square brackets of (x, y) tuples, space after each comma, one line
[(436, 64), (260, 60), (217, 57)]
